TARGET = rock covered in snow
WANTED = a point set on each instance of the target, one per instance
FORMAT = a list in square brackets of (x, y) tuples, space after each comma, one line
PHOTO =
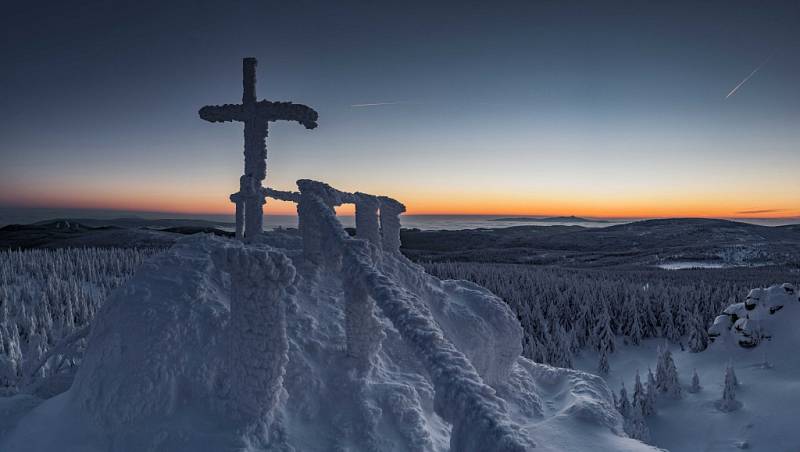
[(750, 322)]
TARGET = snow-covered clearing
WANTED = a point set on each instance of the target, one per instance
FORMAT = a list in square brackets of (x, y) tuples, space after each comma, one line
[(768, 391)]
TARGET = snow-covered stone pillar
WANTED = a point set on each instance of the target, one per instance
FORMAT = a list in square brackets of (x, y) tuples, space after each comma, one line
[(240, 220), (313, 234), (390, 223), (238, 200), (249, 208), (257, 346), (367, 217), (309, 230), (362, 327)]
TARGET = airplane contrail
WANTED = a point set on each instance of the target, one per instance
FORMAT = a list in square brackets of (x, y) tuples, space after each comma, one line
[(378, 104), (736, 88)]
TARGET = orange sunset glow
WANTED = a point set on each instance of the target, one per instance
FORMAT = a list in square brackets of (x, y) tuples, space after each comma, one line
[(208, 201)]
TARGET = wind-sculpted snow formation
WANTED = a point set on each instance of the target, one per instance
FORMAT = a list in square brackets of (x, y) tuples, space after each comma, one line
[(338, 344)]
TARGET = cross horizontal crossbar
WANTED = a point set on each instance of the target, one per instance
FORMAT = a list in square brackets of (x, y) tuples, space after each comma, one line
[(264, 111)]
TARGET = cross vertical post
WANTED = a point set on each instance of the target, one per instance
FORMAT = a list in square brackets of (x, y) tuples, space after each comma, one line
[(255, 154), (256, 116)]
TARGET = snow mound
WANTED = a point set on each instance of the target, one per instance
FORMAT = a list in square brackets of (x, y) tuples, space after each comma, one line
[(757, 319), (219, 346)]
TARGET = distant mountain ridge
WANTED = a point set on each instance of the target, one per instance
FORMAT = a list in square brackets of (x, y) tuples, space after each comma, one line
[(561, 219), (137, 222), (128, 232)]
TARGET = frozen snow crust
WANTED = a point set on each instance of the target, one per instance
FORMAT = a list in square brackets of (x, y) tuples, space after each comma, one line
[(220, 346)]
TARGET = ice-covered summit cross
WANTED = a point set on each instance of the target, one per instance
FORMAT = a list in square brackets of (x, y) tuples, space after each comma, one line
[(255, 115)]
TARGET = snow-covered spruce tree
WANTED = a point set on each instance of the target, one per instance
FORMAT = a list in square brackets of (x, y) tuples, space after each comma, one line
[(603, 367), (668, 328), (695, 388), (635, 333), (698, 334), (623, 403), (728, 401), (559, 351), (583, 325), (540, 331), (636, 426), (684, 320), (9, 367), (697, 338), (652, 394), (661, 372), (603, 334), (673, 387), (632, 412), (667, 374), (648, 318), (574, 345), (640, 398)]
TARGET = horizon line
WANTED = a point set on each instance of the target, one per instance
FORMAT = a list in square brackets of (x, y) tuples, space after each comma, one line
[(502, 215)]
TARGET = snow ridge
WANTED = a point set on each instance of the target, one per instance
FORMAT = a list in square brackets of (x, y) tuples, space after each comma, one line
[(480, 420)]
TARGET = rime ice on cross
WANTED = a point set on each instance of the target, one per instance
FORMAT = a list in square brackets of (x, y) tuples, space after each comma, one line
[(255, 115)]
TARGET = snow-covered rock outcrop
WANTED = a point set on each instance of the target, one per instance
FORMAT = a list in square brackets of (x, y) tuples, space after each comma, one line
[(215, 345), (757, 319)]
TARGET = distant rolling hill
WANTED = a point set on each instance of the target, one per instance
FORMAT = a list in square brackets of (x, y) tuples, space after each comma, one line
[(649, 242), (137, 222), (707, 242), (85, 232)]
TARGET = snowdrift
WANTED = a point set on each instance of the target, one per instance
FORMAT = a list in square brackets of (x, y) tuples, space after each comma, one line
[(215, 345)]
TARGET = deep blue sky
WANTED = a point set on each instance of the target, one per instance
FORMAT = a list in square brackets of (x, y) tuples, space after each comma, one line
[(614, 108)]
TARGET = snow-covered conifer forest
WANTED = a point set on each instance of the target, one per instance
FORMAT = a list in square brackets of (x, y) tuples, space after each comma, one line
[(47, 296), (563, 311)]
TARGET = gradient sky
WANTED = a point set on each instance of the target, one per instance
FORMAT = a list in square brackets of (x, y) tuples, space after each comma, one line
[(540, 107)]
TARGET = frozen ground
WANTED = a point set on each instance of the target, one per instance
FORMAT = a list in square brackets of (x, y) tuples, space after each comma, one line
[(168, 368)]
